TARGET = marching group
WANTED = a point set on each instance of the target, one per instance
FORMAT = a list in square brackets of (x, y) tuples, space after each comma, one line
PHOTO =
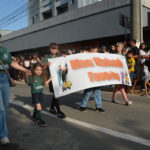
[(35, 71)]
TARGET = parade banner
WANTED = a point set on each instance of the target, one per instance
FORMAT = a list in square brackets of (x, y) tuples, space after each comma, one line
[(86, 70)]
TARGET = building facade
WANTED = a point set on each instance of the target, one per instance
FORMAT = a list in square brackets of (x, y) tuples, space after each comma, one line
[(4, 32), (40, 10)]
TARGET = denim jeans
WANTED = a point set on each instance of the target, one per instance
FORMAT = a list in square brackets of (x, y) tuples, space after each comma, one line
[(87, 94), (4, 97)]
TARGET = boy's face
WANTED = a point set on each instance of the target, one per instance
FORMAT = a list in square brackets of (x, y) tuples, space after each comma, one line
[(113, 48), (130, 55), (38, 71), (132, 43), (54, 50)]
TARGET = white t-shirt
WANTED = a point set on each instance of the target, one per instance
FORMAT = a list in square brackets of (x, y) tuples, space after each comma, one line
[(143, 53), (27, 63)]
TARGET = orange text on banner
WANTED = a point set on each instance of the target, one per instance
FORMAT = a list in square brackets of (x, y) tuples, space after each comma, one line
[(78, 64), (107, 62), (101, 76)]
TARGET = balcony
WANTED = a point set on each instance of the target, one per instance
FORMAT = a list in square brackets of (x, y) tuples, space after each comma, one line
[(45, 6), (58, 3)]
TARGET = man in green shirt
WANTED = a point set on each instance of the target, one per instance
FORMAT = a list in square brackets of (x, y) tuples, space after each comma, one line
[(5, 61), (54, 52), (5, 58)]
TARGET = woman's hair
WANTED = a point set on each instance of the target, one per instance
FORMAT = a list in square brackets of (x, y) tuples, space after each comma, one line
[(123, 48), (140, 47), (42, 76)]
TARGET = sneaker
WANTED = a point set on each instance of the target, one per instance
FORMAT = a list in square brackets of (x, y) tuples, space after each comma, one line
[(34, 118), (83, 109), (42, 123), (4, 141), (114, 101), (53, 111), (100, 110), (128, 103), (61, 115)]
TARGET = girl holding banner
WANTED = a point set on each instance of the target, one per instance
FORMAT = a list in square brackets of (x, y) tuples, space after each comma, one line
[(120, 88)]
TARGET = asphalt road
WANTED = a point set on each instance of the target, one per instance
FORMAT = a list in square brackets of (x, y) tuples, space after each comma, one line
[(64, 135)]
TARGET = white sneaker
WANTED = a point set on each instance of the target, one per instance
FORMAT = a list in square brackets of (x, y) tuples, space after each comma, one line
[(4, 140), (129, 103)]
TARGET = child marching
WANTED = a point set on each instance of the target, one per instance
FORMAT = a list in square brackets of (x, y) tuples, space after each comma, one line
[(37, 81)]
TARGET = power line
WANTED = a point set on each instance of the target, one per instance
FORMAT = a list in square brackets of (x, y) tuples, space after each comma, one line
[(7, 6), (20, 17), (10, 16), (17, 19)]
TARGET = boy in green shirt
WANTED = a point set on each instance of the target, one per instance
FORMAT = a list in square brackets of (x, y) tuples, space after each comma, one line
[(54, 52)]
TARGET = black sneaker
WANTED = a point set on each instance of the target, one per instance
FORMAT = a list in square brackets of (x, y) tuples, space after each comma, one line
[(41, 123), (53, 111), (100, 110), (83, 109), (61, 115), (10, 146), (114, 101), (34, 118)]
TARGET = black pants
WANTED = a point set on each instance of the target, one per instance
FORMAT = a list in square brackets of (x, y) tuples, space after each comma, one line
[(55, 101)]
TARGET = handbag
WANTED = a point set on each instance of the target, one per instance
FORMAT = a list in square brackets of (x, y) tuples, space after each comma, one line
[(12, 82)]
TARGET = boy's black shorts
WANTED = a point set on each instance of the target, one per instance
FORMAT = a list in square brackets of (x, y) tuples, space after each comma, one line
[(37, 98)]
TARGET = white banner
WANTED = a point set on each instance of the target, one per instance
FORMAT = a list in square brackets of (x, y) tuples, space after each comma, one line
[(86, 70)]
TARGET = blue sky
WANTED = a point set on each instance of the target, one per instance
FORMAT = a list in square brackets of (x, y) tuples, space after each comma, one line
[(13, 14)]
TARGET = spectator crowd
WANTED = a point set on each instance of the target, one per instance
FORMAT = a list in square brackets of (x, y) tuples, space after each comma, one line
[(137, 59)]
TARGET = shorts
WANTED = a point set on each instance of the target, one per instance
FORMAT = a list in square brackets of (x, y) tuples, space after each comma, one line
[(37, 98), (132, 76), (147, 78)]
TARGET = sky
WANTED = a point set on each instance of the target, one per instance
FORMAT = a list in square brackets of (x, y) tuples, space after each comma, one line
[(13, 14)]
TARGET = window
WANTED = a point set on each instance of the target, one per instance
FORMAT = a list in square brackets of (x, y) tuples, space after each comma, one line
[(72, 1), (47, 15), (33, 20), (62, 9)]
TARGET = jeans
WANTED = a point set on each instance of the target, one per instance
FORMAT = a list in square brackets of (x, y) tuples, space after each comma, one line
[(4, 97), (97, 97)]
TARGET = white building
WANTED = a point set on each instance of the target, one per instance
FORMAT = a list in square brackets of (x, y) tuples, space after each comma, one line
[(40, 10)]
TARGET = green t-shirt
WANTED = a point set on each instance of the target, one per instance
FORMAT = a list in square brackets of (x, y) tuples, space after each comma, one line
[(45, 60), (36, 84), (5, 58)]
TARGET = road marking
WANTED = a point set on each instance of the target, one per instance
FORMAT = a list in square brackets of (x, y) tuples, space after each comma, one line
[(91, 126)]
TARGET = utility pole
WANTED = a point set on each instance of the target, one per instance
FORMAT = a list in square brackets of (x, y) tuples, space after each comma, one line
[(136, 23)]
